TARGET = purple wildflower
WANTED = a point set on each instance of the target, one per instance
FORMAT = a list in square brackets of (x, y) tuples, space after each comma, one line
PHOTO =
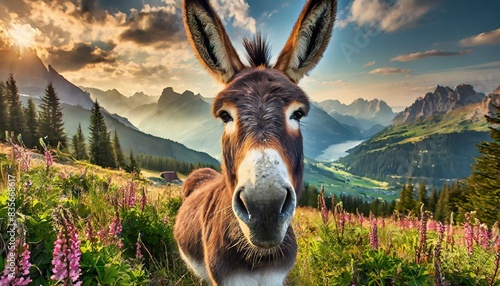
[(468, 235), (322, 205), (138, 253), (49, 161), (423, 236), (17, 266), (374, 233), (439, 277), (66, 256), (143, 198), (484, 234)]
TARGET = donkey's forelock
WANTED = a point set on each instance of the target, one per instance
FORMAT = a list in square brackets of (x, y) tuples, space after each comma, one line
[(248, 208)]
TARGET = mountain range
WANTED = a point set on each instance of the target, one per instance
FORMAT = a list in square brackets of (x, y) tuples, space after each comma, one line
[(32, 78), (442, 100), (368, 116), (186, 117), (434, 138)]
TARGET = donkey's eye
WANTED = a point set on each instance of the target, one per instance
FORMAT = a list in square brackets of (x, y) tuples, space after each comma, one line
[(297, 115), (225, 117)]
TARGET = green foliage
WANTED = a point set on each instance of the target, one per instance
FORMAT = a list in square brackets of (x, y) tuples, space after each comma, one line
[(132, 166), (484, 182), (406, 203), (51, 119), (79, 146), (3, 110), (117, 148), (101, 150), (31, 135), (329, 256), (15, 120), (161, 164)]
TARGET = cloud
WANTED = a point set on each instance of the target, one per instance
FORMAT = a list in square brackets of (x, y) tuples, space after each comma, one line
[(486, 38), (237, 12), (426, 54), (389, 71), (389, 16), (370, 63), (154, 26), (79, 56)]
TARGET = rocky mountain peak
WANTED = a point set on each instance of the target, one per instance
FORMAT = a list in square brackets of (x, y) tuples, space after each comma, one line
[(442, 100)]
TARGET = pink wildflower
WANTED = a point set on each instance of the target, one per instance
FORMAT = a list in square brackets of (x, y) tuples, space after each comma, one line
[(468, 235), (322, 205), (143, 198), (66, 256), (439, 277), (374, 233), (484, 234), (49, 161), (17, 266), (138, 253)]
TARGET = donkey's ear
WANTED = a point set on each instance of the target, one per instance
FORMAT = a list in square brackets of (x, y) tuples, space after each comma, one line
[(308, 40), (210, 41)]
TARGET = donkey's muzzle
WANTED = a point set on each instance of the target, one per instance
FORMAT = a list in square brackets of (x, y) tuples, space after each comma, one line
[(266, 211)]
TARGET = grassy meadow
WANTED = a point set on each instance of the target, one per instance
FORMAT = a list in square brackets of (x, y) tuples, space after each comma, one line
[(79, 224)]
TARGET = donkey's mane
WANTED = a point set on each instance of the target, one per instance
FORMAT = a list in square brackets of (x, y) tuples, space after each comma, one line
[(258, 51)]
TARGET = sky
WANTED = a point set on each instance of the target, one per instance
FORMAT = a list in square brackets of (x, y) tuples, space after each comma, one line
[(393, 50)]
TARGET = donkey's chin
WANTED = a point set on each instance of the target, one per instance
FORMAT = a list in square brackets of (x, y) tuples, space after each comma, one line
[(264, 237)]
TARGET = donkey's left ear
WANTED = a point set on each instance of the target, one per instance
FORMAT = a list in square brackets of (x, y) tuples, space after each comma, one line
[(308, 40), (210, 41)]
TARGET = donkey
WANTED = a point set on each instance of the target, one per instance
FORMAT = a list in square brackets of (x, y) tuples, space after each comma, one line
[(233, 227)]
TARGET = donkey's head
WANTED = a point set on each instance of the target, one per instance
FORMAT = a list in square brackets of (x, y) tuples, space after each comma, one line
[(261, 108)]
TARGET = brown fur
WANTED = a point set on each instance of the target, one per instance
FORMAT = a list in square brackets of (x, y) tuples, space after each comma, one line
[(207, 229)]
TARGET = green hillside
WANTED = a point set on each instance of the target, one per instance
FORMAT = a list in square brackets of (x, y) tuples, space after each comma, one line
[(131, 138), (338, 181), (438, 147)]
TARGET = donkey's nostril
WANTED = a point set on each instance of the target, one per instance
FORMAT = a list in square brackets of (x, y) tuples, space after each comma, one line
[(288, 206), (240, 206)]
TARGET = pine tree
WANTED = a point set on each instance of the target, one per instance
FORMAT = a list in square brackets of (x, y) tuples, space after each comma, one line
[(31, 135), (101, 150), (433, 201), (484, 182), (78, 144), (406, 203), (15, 120), (51, 118), (3, 110), (120, 159), (443, 206), (132, 167), (422, 196)]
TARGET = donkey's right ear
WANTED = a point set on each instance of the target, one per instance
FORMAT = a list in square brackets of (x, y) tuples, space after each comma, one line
[(210, 41)]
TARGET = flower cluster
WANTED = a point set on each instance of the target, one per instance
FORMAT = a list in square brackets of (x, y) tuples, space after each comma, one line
[(322, 205), (66, 255), (17, 266), (468, 234), (374, 233), (143, 199)]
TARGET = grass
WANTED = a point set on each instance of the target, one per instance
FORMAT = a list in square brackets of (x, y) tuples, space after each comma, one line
[(329, 253), (338, 181)]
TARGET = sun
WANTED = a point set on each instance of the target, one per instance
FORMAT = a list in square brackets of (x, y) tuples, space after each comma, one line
[(23, 35)]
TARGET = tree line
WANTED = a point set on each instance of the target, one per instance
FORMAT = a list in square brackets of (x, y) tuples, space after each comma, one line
[(479, 193), (47, 123)]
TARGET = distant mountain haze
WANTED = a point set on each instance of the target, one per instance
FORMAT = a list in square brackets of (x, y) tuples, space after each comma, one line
[(434, 138), (366, 113), (32, 77)]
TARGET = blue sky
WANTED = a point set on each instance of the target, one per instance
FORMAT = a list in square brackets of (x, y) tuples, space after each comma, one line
[(395, 50)]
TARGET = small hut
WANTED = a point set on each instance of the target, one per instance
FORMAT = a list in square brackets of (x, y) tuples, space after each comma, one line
[(170, 176)]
